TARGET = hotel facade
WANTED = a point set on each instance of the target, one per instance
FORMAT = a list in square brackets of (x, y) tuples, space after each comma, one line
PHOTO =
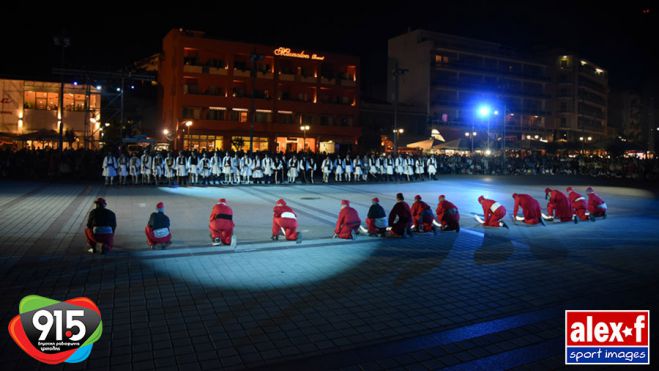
[(287, 99)]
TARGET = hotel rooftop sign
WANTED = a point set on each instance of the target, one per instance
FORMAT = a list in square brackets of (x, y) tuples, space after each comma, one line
[(286, 52)]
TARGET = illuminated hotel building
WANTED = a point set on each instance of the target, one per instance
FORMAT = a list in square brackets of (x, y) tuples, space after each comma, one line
[(29, 112), (545, 97), (217, 85)]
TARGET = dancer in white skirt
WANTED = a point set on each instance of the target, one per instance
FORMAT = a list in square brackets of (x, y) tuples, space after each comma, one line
[(123, 168), (109, 168), (357, 166), (326, 168), (181, 168), (216, 167), (257, 173), (145, 167), (170, 171), (349, 168), (246, 164), (418, 168), (205, 168), (193, 166), (157, 168), (134, 168), (268, 168), (432, 167), (226, 168), (292, 169), (235, 172), (339, 165)]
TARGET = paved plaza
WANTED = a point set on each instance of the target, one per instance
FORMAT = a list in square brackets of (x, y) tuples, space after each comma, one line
[(478, 299)]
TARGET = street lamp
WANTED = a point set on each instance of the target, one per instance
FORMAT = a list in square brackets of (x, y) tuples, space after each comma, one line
[(397, 132), (304, 129), (188, 124)]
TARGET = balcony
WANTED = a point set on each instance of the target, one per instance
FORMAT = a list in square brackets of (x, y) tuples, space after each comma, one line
[(326, 81), (189, 68), (348, 83), (309, 79), (241, 73), (265, 75), (218, 71), (286, 77)]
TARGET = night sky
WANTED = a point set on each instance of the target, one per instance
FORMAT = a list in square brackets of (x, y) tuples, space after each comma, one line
[(619, 36)]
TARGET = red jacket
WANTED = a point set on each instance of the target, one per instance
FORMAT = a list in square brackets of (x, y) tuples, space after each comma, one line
[(577, 200), (530, 206), (443, 207), (278, 210), (418, 207), (347, 216), (561, 204), (402, 210), (487, 209), (594, 201), (222, 215)]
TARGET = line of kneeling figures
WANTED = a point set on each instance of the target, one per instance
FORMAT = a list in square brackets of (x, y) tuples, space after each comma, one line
[(401, 222)]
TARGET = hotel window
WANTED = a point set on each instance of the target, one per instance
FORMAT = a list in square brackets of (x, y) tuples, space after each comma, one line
[(29, 99), (215, 114), (259, 143), (191, 113), (42, 100), (441, 59), (563, 122), (285, 118), (306, 119), (327, 120), (346, 121), (263, 117), (239, 114)]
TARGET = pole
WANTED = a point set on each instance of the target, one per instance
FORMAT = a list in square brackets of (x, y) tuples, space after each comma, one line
[(254, 58), (63, 44), (396, 74), (503, 143)]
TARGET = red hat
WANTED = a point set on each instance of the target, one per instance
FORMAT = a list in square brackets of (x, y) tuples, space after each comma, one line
[(345, 202), (480, 198), (568, 189), (442, 197), (514, 195), (100, 201), (417, 197), (590, 190), (222, 200), (281, 202), (375, 199), (160, 205), (547, 190)]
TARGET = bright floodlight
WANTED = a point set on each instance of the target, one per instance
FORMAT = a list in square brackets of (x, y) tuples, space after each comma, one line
[(488, 152), (165, 131), (484, 111), (188, 123), (496, 112)]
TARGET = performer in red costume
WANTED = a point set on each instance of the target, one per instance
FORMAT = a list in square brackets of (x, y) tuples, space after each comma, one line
[(285, 219), (494, 213), (530, 209), (347, 225), (422, 216), (221, 224), (558, 206), (448, 215), (596, 206)]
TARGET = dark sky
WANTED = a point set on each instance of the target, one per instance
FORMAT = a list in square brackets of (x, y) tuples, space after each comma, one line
[(110, 35)]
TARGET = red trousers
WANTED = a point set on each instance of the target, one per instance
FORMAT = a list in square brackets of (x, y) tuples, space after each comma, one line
[(152, 240), (346, 229), (450, 220), (106, 239), (579, 208), (288, 224), (372, 229), (560, 214), (499, 214), (224, 233)]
